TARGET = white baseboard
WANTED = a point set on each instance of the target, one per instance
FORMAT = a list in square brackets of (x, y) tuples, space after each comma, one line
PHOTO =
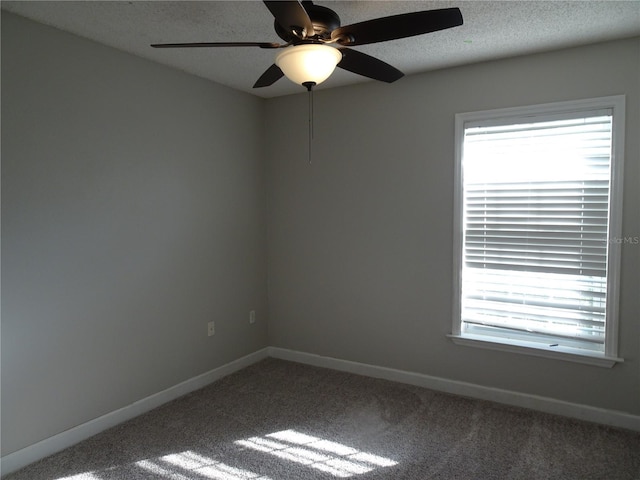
[(21, 458), (534, 402)]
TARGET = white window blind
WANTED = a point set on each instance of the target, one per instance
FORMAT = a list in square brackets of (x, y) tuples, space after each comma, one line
[(536, 202)]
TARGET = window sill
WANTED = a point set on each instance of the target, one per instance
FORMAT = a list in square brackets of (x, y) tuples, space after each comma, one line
[(529, 348)]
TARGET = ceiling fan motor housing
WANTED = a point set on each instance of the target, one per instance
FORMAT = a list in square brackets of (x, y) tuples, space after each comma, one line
[(324, 21)]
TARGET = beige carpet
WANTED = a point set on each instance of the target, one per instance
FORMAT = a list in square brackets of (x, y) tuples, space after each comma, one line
[(285, 421)]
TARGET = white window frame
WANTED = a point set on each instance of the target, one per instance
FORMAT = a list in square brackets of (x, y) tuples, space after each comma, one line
[(521, 345)]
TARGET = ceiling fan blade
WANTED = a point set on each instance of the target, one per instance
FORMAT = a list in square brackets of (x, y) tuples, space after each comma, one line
[(217, 44), (291, 15), (397, 26), (269, 77), (368, 66)]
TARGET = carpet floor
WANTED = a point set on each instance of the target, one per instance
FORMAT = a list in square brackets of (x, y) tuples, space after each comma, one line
[(278, 420)]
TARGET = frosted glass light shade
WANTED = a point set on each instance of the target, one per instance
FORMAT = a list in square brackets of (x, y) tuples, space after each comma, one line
[(308, 63)]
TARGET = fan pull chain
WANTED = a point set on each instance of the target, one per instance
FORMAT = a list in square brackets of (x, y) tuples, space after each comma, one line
[(310, 86)]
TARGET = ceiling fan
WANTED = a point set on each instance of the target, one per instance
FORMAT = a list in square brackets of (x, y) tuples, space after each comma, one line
[(315, 42)]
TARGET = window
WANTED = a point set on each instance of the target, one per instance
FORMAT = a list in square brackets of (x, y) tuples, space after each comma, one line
[(537, 211)]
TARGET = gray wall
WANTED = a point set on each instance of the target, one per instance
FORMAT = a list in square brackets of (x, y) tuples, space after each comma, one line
[(360, 242), (132, 214)]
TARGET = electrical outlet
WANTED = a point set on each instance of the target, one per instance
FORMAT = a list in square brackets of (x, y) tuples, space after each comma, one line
[(252, 316), (211, 328)]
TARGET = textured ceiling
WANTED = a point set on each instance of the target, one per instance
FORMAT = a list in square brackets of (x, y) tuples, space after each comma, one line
[(492, 29)]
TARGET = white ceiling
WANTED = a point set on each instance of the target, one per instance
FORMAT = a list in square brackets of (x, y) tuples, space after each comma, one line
[(492, 29)]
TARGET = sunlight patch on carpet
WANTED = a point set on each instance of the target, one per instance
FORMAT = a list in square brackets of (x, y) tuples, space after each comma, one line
[(331, 457), (336, 459), (169, 467), (82, 476)]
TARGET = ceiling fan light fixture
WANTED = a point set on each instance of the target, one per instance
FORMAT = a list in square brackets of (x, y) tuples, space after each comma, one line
[(310, 63)]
